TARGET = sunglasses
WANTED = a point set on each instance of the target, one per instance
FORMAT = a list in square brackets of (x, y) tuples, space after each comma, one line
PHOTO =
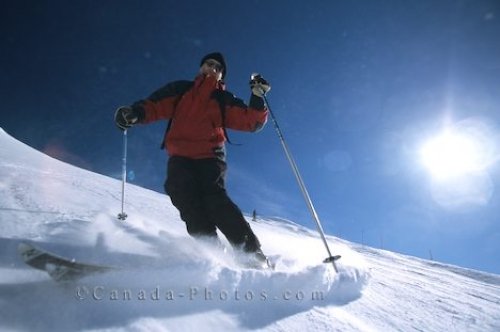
[(214, 64)]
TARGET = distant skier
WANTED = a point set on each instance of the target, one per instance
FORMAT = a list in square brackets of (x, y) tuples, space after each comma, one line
[(199, 111)]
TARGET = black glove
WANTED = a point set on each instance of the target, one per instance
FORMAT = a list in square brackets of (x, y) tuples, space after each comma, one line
[(125, 117), (259, 85)]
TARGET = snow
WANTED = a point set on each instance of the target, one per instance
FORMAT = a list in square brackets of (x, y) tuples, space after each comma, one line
[(167, 281)]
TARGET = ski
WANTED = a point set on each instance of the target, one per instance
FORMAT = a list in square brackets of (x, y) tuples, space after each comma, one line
[(59, 268)]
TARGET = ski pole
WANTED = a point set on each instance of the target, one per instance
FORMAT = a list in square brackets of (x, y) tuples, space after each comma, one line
[(330, 258), (123, 215)]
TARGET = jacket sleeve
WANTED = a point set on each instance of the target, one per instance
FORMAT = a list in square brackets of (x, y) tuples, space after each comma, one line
[(239, 116), (161, 103)]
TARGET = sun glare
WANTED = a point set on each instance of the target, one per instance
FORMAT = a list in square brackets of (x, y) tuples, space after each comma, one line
[(451, 155), (459, 160), (463, 149)]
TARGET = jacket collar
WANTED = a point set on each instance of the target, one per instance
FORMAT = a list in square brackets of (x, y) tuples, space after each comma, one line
[(201, 78)]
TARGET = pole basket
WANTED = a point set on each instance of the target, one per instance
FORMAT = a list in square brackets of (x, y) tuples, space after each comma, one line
[(331, 259)]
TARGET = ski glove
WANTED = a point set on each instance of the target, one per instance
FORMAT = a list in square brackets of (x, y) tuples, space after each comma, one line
[(125, 117), (259, 85)]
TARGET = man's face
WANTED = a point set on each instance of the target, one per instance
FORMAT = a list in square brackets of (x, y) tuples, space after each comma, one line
[(212, 67)]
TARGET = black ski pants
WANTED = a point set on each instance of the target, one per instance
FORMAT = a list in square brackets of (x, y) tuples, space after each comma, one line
[(197, 189)]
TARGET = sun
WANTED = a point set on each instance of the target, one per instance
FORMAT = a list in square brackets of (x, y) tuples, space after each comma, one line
[(459, 159), (452, 154)]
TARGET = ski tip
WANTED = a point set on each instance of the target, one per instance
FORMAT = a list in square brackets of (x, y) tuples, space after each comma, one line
[(24, 247), (26, 251)]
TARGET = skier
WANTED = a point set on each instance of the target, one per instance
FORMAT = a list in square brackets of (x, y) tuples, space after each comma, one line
[(199, 112)]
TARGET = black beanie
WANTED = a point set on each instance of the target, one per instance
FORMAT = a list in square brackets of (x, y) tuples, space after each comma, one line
[(217, 57)]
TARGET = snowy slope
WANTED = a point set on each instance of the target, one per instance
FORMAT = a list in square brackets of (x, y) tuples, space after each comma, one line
[(169, 282)]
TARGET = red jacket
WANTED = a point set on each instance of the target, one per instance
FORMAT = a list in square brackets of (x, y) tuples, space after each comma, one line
[(199, 112)]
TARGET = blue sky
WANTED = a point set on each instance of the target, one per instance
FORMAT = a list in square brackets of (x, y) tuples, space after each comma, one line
[(359, 89)]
